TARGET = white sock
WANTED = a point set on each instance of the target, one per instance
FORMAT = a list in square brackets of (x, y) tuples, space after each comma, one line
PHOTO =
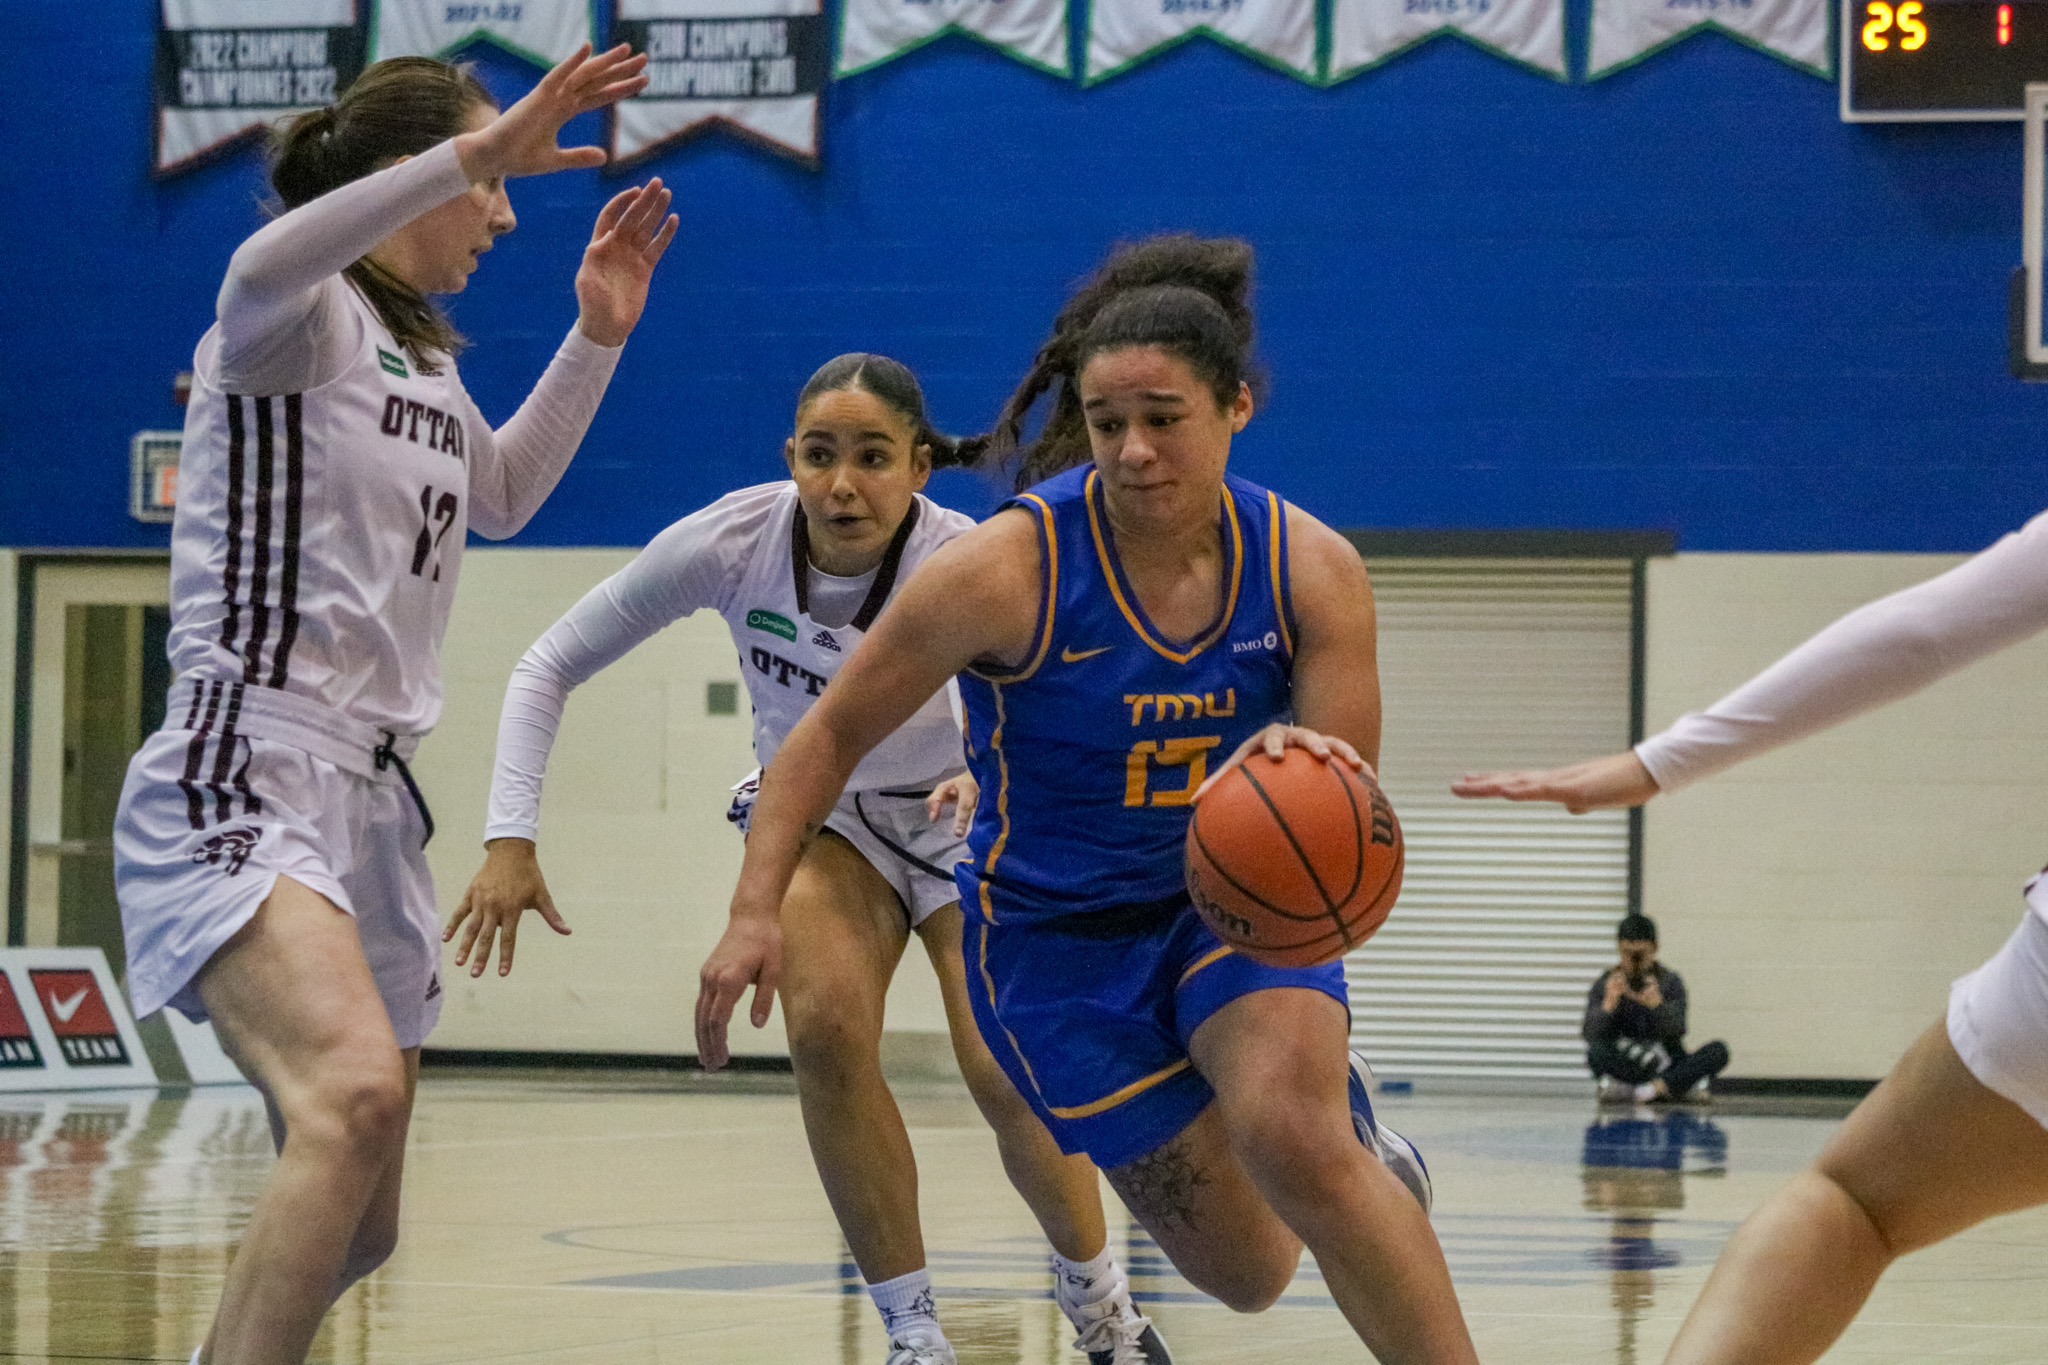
[(906, 1303), (1085, 1282), (1645, 1092)]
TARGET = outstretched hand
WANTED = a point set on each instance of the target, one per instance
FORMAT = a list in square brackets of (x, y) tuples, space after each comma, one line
[(1616, 780), (521, 141), (505, 888), (632, 232)]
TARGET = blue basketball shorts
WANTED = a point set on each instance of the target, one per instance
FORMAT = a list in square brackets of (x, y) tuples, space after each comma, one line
[(1090, 1015)]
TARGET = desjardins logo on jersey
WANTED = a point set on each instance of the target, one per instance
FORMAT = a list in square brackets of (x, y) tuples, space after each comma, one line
[(772, 622), (392, 364)]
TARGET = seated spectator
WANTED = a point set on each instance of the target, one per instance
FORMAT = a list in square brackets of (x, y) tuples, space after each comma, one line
[(1635, 1027)]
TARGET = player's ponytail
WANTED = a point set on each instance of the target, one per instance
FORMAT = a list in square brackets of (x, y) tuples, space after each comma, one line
[(1190, 296), (892, 382), (398, 107)]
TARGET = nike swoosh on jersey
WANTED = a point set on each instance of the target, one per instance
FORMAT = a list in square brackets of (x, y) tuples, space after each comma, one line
[(64, 1009), (1074, 656)]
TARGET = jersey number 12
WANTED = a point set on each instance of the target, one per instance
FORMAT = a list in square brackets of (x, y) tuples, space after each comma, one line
[(432, 511)]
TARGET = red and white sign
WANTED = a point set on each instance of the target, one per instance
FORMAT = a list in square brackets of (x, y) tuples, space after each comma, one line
[(78, 1015), (17, 1042), (64, 1024)]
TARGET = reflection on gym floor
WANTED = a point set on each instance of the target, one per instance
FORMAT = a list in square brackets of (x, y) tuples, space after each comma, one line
[(1635, 1168), (661, 1220)]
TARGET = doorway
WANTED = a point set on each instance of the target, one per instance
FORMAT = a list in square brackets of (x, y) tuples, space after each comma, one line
[(91, 678)]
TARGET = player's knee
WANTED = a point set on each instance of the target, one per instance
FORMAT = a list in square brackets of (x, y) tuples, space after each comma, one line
[(1299, 1156), (1253, 1283), (828, 1035), (361, 1106)]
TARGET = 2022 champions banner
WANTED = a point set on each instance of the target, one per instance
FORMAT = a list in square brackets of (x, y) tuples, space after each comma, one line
[(540, 31), (226, 70)]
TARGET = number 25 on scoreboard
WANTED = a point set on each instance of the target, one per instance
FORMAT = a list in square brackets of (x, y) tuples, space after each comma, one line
[(1884, 17)]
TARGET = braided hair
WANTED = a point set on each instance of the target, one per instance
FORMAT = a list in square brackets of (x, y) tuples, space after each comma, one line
[(398, 107), (1187, 295)]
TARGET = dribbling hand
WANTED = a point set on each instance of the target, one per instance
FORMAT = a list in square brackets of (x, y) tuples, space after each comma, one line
[(1276, 740), (521, 141), (508, 885), (1616, 780), (748, 954), (611, 285)]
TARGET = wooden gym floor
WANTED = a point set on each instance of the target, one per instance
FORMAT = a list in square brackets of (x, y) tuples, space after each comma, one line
[(652, 1219)]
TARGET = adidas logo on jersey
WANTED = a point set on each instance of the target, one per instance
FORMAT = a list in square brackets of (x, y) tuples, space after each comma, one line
[(823, 639)]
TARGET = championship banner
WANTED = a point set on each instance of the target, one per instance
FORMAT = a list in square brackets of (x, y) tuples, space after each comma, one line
[(227, 69), (1280, 33), (541, 31), (756, 66), (875, 31), (1626, 31), (1364, 33)]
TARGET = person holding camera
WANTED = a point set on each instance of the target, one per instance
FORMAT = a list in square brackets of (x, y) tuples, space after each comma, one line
[(1635, 1026)]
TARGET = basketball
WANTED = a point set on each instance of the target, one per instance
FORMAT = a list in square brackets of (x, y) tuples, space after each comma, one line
[(1294, 862)]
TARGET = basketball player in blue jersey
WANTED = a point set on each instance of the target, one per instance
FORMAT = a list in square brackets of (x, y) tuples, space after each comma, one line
[(1123, 631)]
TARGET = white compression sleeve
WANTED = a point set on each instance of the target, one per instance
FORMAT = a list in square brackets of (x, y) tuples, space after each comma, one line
[(694, 563), (278, 305), (1876, 654), (514, 468)]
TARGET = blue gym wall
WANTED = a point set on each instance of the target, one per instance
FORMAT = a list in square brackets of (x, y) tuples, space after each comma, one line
[(1684, 297)]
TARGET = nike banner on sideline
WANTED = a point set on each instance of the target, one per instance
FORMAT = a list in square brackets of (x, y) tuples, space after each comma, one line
[(541, 31), (1626, 31), (874, 31), (64, 1024), (1364, 33), (226, 70), (1279, 33), (757, 67)]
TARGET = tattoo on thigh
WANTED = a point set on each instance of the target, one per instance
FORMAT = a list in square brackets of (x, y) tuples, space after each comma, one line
[(1160, 1186)]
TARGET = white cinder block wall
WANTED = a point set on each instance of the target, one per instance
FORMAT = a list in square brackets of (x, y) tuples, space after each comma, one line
[(633, 838), (1820, 899)]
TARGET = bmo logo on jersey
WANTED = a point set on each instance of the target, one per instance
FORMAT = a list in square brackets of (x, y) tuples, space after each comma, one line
[(1265, 644), (407, 418), (78, 1015)]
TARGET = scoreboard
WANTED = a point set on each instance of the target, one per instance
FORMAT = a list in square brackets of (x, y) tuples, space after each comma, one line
[(1927, 60)]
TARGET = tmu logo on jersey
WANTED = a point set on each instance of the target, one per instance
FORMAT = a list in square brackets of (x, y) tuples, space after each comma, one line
[(79, 1016), (17, 1043)]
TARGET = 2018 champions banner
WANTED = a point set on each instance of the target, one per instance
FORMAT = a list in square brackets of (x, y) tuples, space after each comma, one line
[(874, 31), (1364, 33), (1626, 31), (541, 31), (756, 66), (227, 69), (1280, 33)]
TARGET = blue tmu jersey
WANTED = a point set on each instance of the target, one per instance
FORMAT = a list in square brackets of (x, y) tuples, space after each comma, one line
[(1089, 755)]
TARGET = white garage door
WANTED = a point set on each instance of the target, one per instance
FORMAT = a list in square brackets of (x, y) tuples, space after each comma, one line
[(1508, 911)]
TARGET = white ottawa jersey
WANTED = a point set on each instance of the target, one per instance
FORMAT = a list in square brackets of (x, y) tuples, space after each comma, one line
[(787, 656), (318, 534)]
